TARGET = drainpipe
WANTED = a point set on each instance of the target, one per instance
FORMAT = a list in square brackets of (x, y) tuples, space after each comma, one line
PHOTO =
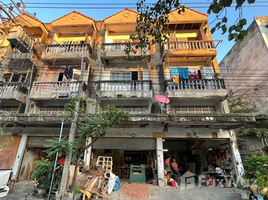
[(29, 90), (55, 164)]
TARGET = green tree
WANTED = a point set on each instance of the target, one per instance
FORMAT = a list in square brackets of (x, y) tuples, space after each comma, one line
[(94, 125)]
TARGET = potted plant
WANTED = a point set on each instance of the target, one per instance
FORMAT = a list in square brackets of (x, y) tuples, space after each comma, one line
[(42, 175), (256, 168)]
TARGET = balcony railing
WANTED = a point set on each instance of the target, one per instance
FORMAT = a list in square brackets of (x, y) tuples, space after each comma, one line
[(202, 84), (190, 45), (124, 85), (118, 50), (9, 87), (65, 48), (57, 86), (16, 54)]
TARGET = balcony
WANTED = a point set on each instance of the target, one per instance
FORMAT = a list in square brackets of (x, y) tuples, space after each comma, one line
[(112, 50), (3, 50), (193, 51), (124, 93), (54, 93), (200, 92), (11, 93), (66, 54), (16, 54)]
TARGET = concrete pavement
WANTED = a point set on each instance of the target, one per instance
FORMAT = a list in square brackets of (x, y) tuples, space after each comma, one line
[(23, 191)]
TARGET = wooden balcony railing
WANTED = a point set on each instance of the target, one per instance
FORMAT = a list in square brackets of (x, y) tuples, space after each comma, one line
[(65, 48), (121, 47), (201, 84), (57, 86), (190, 45), (124, 85)]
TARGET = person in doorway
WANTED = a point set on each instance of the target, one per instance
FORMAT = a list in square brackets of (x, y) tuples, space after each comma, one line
[(211, 168), (167, 163), (219, 173), (175, 167)]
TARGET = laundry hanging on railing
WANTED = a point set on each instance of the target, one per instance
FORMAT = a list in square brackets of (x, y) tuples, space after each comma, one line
[(193, 73), (207, 72)]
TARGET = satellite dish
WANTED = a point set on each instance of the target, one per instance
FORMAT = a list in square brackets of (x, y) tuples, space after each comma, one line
[(162, 99)]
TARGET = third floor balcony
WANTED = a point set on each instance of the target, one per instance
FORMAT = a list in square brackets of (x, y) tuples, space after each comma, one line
[(66, 54), (209, 90), (190, 51), (124, 92), (117, 50)]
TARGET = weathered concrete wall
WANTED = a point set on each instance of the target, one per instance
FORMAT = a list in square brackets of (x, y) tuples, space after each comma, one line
[(244, 68)]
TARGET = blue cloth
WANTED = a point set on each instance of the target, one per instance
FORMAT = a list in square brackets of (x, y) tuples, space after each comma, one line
[(184, 74), (117, 184), (68, 72), (174, 71)]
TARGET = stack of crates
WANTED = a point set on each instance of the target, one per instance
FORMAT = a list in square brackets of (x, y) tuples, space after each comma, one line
[(106, 162)]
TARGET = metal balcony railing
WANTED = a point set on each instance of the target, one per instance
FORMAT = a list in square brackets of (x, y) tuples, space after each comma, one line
[(190, 45), (201, 84), (124, 85)]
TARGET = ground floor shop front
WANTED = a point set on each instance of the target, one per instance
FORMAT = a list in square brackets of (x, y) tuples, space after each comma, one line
[(193, 155)]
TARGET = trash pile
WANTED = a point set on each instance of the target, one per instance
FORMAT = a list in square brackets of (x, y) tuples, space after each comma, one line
[(97, 182)]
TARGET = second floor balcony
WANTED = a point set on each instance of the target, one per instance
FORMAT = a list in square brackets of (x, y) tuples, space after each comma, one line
[(54, 92), (66, 54), (194, 50), (125, 93), (210, 90), (117, 50)]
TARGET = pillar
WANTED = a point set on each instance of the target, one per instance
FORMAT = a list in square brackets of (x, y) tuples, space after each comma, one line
[(160, 161), (19, 156), (87, 156)]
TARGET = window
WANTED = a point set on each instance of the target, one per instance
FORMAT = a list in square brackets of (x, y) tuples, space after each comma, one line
[(124, 76)]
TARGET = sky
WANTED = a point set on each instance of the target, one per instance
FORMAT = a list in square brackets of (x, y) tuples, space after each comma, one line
[(50, 10)]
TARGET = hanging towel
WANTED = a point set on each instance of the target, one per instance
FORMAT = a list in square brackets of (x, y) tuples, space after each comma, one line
[(183, 72)]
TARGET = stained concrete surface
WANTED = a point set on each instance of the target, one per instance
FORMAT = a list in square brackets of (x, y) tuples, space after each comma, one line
[(23, 191)]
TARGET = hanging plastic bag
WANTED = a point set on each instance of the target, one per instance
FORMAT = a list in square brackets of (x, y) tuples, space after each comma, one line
[(112, 178)]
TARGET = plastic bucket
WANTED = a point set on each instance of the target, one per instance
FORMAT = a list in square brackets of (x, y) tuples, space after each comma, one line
[(154, 182)]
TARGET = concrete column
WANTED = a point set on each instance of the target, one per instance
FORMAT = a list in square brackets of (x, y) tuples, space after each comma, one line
[(237, 161), (19, 156), (87, 156), (160, 161)]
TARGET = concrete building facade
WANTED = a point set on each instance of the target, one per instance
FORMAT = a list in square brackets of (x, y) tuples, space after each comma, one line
[(45, 65)]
